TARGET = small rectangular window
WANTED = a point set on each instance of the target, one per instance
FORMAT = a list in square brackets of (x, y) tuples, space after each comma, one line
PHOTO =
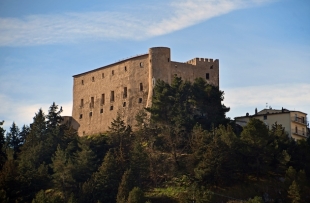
[(102, 99), (82, 82), (211, 67), (207, 76), (93, 79), (125, 92), (112, 72), (141, 64), (111, 108), (82, 102), (112, 96), (168, 59), (140, 100), (92, 102), (265, 117), (102, 75), (81, 116), (141, 86), (125, 68), (101, 110), (124, 104), (90, 114)]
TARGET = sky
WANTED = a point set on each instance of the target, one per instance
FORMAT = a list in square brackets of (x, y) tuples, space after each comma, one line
[(263, 47)]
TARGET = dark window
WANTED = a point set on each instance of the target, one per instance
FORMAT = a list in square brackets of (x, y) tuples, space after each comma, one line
[(82, 102), (296, 130), (101, 110), (141, 64), (124, 104), (125, 92), (81, 116), (92, 102), (111, 108), (82, 82), (211, 67), (168, 59), (112, 72), (140, 100), (102, 99), (90, 114), (207, 76), (102, 75), (141, 86), (265, 117), (125, 68), (112, 96), (93, 79)]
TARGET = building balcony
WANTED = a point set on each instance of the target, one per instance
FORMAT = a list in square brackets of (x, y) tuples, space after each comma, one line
[(301, 120), (300, 133)]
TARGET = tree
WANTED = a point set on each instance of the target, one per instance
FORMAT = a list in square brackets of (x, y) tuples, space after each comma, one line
[(136, 195), (294, 193), (14, 140), (3, 155), (125, 187)]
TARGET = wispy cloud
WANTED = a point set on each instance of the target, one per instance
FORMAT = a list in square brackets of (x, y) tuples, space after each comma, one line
[(124, 24), (21, 114), (246, 99)]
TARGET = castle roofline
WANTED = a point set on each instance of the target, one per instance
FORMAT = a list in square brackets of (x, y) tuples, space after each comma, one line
[(112, 64)]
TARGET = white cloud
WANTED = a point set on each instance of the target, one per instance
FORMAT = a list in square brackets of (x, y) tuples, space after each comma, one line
[(21, 114), (72, 27), (246, 99)]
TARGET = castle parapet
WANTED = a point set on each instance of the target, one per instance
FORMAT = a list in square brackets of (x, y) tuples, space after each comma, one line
[(199, 61)]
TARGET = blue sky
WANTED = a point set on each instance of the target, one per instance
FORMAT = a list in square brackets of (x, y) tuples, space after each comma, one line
[(263, 47)]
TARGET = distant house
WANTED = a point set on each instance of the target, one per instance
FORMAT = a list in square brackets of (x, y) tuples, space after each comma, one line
[(294, 122)]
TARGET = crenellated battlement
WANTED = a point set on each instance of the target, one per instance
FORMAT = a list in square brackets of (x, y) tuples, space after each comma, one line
[(196, 61)]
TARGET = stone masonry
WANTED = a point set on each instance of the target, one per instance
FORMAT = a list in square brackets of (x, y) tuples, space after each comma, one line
[(125, 87)]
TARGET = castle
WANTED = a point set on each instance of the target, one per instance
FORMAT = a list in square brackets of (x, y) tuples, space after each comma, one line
[(125, 87)]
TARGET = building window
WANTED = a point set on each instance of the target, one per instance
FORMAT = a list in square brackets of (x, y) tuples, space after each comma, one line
[(207, 76), (303, 120), (92, 102), (125, 68), (82, 82), (141, 64), (168, 59), (82, 102), (141, 86), (81, 116), (125, 92), (102, 75), (101, 110), (211, 67), (112, 96), (93, 79), (265, 117), (112, 72), (111, 108), (296, 129), (140, 100), (303, 131), (102, 99), (90, 114), (124, 104)]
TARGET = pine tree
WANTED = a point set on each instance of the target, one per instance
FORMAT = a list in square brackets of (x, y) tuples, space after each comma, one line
[(14, 140), (3, 155), (294, 193), (136, 195), (125, 187)]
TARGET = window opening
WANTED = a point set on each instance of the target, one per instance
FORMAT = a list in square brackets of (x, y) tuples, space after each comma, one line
[(101, 110), (112, 72), (125, 92), (141, 86), (265, 117), (296, 129), (211, 67), (140, 100), (141, 64), (111, 108), (102, 75), (90, 114), (124, 104), (102, 99), (81, 116), (112, 96), (168, 59), (207, 76), (125, 68), (82, 102), (92, 102), (82, 82), (93, 79)]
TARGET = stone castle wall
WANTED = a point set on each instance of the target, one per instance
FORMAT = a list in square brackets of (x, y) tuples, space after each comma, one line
[(126, 87)]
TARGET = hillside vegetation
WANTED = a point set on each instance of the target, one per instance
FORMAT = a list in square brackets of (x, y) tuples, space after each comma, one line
[(183, 149)]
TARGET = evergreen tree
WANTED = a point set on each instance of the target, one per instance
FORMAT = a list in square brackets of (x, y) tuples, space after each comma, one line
[(294, 193), (14, 140), (3, 155), (139, 164), (136, 195), (125, 187)]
